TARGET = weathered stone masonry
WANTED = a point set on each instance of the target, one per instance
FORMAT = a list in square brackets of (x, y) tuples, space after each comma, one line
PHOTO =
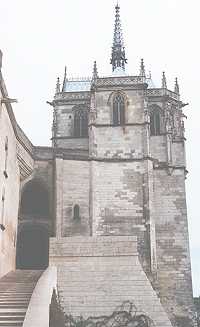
[(106, 202), (130, 182)]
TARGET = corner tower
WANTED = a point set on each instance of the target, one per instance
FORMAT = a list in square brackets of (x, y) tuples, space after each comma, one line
[(71, 106)]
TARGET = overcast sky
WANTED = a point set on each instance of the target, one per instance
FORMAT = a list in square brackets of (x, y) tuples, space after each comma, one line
[(38, 38)]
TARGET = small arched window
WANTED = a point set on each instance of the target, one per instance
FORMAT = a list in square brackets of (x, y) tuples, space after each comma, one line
[(76, 213), (155, 122), (81, 123), (118, 109)]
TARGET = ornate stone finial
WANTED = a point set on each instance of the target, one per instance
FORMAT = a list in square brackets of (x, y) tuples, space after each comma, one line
[(164, 81), (176, 86), (118, 57), (95, 71), (142, 69), (58, 86), (149, 74), (64, 79)]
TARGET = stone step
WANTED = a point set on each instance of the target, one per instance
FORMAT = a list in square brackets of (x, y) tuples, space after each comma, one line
[(13, 293), (14, 313), (16, 296), (16, 289), (15, 310), (14, 301), (11, 318), (14, 306), (7, 300), (11, 323)]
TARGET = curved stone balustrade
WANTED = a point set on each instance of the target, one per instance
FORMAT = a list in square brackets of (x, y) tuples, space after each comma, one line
[(38, 309)]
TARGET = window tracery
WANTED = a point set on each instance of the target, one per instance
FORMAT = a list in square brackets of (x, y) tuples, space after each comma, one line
[(155, 122), (81, 123), (118, 110)]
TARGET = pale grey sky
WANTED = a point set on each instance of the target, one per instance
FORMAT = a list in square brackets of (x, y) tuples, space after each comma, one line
[(38, 38)]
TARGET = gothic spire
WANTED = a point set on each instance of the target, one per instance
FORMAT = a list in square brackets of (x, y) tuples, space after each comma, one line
[(118, 58), (164, 81), (142, 69), (176, 86), (64, 79), (58, 86)]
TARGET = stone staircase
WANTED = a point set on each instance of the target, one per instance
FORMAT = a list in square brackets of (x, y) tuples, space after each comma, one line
[(16, 289)]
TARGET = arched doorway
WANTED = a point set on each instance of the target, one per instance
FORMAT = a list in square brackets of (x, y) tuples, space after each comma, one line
[(34, 227), (33, 247), (34, 201)]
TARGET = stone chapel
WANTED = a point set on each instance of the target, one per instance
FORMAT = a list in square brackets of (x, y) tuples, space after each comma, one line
[(100, 216)]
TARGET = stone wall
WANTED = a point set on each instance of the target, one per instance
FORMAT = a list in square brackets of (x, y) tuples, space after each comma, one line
[(9, 190), (197, 310), (96, 275), (174, 271), (158, 149), (178, 153), (16, 164), (118, 200), (63, 128), (73, 143), (118, 142), (72, 188), (134, 112)]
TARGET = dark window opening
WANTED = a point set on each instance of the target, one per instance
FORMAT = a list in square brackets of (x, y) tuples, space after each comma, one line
[(2, 223), (76, 214), (34, 201), (6, 158), (155, 123), (81, 123), (118, 110)]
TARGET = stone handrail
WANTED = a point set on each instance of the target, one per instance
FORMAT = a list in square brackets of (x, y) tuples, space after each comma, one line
[(38, 309)]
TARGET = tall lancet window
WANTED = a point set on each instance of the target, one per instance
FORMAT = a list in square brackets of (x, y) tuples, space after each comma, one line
[(2, 227), (6, 158), (118, 110), (81, 123), (155, 122), (76, 213)]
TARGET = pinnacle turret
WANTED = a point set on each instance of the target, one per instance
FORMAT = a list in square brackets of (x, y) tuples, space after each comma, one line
[(164, 81), (95, 71), (118, 58), (176, 86), (149, 74), (64, 79), (58, 86), (142, 69)]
